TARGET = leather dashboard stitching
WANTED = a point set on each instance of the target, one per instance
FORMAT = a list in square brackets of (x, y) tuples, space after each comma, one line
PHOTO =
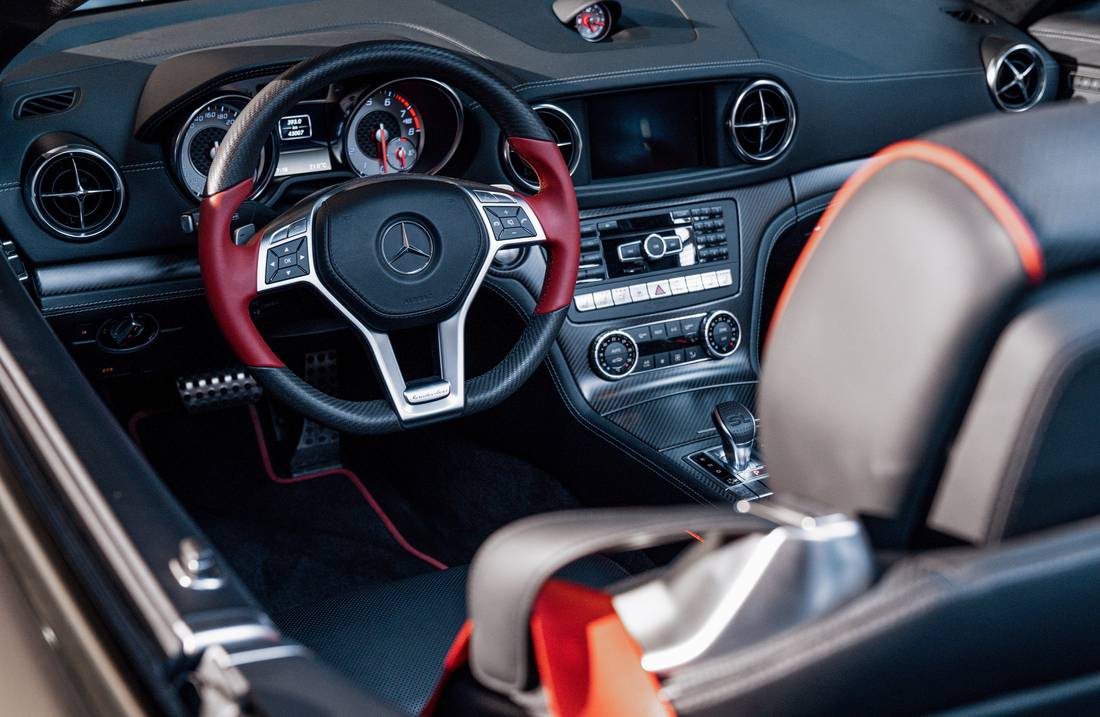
[(580, 79), (79, 308)]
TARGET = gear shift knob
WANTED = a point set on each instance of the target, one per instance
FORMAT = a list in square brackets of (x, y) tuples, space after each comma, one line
[(737, 428)]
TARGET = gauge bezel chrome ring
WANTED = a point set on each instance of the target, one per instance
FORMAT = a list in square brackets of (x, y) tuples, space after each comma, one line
[(265, 169), (448, 92)]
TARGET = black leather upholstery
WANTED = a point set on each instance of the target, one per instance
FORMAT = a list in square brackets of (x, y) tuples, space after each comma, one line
[(1027, 457), (1045, 160), (392, 639), (941, 630)]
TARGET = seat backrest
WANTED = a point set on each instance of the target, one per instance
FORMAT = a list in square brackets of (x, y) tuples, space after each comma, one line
[(891, 314)]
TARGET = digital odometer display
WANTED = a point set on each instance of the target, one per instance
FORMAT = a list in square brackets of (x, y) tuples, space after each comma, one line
[(303, 141), (642, 132)]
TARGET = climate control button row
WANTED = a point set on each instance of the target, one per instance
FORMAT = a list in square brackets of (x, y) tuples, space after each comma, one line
[(620, 353)]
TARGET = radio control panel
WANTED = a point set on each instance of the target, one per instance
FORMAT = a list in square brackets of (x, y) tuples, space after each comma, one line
[(648, 256)]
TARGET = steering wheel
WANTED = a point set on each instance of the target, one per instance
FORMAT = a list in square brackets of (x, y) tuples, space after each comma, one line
[(390, 253)]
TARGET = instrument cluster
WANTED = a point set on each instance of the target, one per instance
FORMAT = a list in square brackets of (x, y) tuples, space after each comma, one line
[(412, 124)]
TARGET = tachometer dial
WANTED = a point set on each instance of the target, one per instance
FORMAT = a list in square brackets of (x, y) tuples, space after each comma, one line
[(200, 138), (385, 134), (593, 23)]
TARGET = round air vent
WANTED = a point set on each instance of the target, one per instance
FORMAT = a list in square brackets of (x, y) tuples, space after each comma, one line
[(762, 121), (566, 134), (75, 192), (1016, 78)]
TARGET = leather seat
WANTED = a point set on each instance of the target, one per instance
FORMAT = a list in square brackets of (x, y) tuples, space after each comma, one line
[(391, 639)]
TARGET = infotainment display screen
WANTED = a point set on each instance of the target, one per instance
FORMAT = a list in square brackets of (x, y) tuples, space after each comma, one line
[(642, 132)]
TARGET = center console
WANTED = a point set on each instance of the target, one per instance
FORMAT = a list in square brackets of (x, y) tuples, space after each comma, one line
[(666, 325), (658, 331)]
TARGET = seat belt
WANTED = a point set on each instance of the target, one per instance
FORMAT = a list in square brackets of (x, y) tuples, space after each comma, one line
[(587, 663)]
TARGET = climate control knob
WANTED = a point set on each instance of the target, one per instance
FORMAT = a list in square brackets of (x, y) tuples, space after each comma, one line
[(721, 334), (614, 355)]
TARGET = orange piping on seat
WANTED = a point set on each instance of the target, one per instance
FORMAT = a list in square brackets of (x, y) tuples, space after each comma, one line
[(1004, 210)]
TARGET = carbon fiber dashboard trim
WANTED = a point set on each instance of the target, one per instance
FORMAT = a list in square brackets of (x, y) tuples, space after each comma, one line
[(92, 276), (681, 418)]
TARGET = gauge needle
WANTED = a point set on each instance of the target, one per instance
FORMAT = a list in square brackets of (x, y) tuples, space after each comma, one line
[(591, 24), (401, 154), (381, 135)]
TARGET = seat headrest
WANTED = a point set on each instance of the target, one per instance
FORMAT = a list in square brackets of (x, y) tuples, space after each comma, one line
[(891, 311)]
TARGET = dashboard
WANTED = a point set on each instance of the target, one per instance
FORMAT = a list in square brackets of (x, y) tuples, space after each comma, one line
[(704, 138)]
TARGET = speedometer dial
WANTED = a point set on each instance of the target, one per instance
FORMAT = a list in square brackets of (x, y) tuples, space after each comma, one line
[(200, 138), (385, 135)]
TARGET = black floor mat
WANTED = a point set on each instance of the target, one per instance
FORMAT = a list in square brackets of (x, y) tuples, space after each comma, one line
[(293, 543)]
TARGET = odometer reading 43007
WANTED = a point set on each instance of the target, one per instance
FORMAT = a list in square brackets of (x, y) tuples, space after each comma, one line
[(385, 134)]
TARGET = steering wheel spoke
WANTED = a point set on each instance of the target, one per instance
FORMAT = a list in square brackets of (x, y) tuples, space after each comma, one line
[(429, 398)]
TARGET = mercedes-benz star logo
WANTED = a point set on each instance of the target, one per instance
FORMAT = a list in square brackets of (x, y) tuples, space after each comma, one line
[(407, 247)]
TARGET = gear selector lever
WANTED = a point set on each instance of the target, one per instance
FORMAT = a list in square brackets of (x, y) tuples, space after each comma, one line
[(737, 428)]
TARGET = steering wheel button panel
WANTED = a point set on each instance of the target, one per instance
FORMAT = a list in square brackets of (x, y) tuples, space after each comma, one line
[(509, 222), (298, 228), (287, 261), (492, 197)]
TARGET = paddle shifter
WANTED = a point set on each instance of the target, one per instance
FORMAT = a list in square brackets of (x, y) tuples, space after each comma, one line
[(737, 428)]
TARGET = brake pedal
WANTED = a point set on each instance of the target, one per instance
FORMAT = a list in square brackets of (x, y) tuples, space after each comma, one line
[(216, 390), (318, 446)]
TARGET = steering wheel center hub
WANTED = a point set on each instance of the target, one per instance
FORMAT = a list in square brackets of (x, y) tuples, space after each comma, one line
[(407, 247), (400, 252)]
